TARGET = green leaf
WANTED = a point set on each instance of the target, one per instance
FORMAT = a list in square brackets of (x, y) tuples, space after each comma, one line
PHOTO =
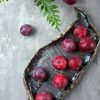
[(53, 23), (54, 7), (48, 1), (50, 11), (56, 11), (2, 1), (42, 8), (39, 3), (49, 17)]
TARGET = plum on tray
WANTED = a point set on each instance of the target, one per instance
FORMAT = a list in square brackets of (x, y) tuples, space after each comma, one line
[(63, 61)]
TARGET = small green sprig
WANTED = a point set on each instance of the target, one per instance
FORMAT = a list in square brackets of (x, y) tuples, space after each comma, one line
[(1, 1), (50, 11)]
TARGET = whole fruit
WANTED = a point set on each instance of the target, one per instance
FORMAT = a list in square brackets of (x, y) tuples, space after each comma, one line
[(80, 31), (60, 81), (26, 30), (87, 44), (43, 96), (59, 63), (39, 74), (70, 2), (69, 45), (75, 63)]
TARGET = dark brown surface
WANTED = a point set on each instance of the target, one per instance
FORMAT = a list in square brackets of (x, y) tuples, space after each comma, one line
[(44, 56)]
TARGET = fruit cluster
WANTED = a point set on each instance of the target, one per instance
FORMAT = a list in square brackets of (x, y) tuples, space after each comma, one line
[(61, 81)]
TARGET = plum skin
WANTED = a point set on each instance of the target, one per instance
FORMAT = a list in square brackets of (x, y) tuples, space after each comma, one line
[(59, 62), (39, 74), (87, 44), (80, 31), (70, 2), (43, 96), (75, 63), (60, 81), (26, 30), (68, 45)]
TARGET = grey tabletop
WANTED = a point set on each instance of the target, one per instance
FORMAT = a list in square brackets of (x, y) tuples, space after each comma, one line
[(16, 51)]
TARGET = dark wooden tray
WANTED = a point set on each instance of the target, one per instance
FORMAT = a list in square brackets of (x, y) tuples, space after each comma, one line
[(44, 55)]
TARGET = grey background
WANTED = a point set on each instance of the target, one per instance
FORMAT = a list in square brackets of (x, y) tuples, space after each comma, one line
[(16, 51)]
